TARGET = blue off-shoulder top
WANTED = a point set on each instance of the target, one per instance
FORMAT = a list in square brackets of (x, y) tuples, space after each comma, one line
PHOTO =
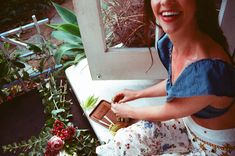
[(203, 77)]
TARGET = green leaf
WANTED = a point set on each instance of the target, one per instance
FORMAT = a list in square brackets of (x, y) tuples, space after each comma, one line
[(41, 65), (14, 144), (30, 141), (66, 14), (70, 28), (79, 57), (66, 37), (34, 139), (89, 102), (68, 63), (5, 69), (66, 49), (18, 64), (55, 112), (34, 48), (53, 26), (104, 6), (78, 132), (60, 54), (69, 116), (67, 46), (6, 46), (23, 142), (25, 75)]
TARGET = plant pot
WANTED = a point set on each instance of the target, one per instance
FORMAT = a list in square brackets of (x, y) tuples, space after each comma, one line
[(21, 118)]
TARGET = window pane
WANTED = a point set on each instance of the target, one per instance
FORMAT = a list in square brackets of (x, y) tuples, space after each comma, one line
[(124, 24)]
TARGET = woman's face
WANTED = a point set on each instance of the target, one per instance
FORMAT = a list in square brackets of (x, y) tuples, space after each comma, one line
[(174, 15)]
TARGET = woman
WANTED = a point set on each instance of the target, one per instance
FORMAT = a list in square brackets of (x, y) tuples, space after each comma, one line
[(198, 116)]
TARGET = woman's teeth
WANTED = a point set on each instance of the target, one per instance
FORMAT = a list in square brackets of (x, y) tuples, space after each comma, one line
[(166, 14)]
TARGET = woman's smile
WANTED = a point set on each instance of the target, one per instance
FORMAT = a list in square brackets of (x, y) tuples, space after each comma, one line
[(169, 15), (174, 15)]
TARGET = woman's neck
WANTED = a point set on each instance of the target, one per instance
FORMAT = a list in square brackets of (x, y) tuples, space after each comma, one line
[(187, 41)]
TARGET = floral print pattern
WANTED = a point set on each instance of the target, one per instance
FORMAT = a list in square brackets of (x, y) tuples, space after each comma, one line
[(146, 138)]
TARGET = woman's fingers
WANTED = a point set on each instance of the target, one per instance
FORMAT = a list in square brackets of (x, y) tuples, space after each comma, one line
[(120, 109), (113, 108)]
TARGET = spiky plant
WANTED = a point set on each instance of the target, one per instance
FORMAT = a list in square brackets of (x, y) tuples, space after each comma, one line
[(124, 23)]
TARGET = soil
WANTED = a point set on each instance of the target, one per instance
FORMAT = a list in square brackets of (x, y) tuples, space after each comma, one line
[(49, 13)]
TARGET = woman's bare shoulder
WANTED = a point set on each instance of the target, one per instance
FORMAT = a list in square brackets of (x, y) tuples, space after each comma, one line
[(215, 51)]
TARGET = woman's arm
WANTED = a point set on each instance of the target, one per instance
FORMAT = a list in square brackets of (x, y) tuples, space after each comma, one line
[(129, 95), (153, 91), (178, 108)]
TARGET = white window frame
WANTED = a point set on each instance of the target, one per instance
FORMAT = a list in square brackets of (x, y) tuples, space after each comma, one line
[(113, 63)]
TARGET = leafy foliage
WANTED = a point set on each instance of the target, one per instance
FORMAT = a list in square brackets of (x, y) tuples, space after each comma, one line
[(71, 51), (30, 146), (90, 102), (9, 68), (56, 105), (66, 14), (57, 108), (10, 71), (17, 70)]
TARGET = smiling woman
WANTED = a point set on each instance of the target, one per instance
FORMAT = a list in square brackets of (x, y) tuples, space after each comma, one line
[(107, 63), (199, 89), (170, 18)]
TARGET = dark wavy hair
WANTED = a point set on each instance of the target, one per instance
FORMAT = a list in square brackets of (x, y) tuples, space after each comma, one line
[(207, 19)]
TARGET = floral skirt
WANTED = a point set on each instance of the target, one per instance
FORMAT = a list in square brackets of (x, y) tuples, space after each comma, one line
[(146, 138)]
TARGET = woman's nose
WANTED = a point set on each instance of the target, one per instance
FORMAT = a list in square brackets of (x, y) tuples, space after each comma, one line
[(167, 2)]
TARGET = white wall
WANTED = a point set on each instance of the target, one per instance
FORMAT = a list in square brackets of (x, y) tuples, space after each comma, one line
[(228, 23)]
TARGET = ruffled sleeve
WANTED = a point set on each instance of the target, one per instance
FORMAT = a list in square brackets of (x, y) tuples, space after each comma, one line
[(204, 77), (164, 47)]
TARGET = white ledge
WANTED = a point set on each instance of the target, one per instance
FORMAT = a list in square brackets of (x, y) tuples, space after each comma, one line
[(83, 86)]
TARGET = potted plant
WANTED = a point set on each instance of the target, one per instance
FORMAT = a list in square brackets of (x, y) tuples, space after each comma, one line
[(71, 51), (58, 135)]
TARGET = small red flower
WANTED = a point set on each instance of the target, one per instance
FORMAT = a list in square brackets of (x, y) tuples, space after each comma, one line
[(58, 124), (60, 131), (71, 131)]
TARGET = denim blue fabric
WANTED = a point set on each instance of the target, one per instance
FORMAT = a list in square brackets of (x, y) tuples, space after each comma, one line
[(203, 77), (165, 46)]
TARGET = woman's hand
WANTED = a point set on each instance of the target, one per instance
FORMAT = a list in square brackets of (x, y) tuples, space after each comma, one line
[(122, 110), (125, 95)]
